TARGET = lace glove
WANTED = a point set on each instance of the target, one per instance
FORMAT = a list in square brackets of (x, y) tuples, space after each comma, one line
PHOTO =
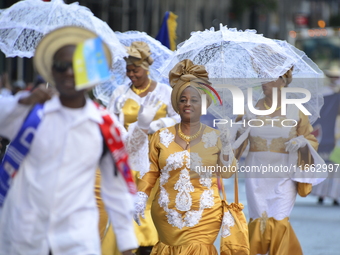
[(148, 110), (295, 143), (140, 205), (224, 135), (118, 104), (226, 144)]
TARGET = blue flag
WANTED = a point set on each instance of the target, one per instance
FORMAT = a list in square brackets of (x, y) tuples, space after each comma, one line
[(167, 33)]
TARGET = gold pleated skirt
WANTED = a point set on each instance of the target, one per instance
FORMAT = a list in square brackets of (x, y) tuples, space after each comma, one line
[(189, 249), (274, 236), (196, 240)]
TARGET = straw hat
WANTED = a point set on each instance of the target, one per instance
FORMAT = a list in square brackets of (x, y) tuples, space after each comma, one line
[(333, 71), (56, 39)]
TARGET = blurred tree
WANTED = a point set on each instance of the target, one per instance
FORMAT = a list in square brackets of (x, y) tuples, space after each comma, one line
[(334, 21)]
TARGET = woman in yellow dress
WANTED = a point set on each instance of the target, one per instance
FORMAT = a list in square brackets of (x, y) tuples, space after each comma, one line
[(125, 103), (186, 209), (282, 143), (136, 144)]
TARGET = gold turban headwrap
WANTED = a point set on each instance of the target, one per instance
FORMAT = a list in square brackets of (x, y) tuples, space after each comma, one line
[(185, 74), (139, 55)]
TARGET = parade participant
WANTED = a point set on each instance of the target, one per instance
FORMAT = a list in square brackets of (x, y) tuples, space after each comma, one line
[(186, 209), (125, 102), (327, 126), (271, 195), (50, 206)]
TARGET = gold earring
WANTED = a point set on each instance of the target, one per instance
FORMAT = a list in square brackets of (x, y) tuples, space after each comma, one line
[(148, 72)]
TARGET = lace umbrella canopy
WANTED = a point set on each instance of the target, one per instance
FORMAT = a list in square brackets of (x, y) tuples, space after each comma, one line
[(159, 53), (246, 60), (24, 24)]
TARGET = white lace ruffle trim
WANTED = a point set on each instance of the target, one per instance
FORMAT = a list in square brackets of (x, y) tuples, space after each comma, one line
[(227, 222), (137, 145)]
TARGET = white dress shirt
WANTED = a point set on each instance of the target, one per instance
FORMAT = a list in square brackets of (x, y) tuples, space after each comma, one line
[(51, 204)]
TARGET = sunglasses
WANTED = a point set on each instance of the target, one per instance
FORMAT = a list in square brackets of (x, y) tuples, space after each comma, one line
[(61, 67)]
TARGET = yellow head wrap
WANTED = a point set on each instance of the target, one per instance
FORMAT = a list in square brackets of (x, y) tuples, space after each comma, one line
[(185, 74), (139, 55)]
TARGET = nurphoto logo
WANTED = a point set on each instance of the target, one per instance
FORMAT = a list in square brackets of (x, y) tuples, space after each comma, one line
[(238, 104)]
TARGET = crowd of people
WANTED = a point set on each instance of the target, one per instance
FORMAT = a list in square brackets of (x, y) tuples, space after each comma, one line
[(76, 176)]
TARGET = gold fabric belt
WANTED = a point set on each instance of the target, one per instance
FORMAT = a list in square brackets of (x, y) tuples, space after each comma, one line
[(276, 145)]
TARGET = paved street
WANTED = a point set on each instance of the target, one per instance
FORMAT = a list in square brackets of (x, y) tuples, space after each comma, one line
[(316, 226)]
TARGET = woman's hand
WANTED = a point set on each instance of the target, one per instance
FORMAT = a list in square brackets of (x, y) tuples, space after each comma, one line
[(148, 111), (140, 205), (156, 125), (296, 143), (226, 143), (118, 104), (224, 134), (39, 95)]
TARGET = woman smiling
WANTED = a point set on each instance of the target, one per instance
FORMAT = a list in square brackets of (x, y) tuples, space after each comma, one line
[(187, 209)]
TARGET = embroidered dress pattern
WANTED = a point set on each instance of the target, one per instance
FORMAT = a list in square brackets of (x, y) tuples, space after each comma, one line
[(227, 222), (183, 185), (209, 139), (195, 162), (166, 137)]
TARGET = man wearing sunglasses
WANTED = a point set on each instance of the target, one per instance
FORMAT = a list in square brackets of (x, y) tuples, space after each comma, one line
[(50, 206)]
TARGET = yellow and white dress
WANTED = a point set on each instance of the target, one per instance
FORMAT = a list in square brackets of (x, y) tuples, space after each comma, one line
[(132, 102), (186, 209), (146, 233), (271, 195)]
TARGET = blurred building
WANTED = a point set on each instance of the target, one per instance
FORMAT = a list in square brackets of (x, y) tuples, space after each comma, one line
[(272, 18)]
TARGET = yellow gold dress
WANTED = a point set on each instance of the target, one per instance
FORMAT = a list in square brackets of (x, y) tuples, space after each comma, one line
[(146, 233), (272, 179), (186, 209), (109, 245)]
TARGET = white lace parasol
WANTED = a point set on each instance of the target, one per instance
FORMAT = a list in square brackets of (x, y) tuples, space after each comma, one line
[(24, 24), (159, 53), (246, 59)]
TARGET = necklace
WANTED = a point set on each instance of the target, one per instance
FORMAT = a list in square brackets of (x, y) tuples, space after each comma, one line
[(267, 107), (188, 138), (140, 91)]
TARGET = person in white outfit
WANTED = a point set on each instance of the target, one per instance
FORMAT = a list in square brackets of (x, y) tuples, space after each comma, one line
[(281, 148), (50, 207)]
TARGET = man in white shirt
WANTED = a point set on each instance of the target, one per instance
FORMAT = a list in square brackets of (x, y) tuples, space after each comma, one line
[(50, 207)]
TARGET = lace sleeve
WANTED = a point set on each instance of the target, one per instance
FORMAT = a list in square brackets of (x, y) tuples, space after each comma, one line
[(137, 145), (306, 165)]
